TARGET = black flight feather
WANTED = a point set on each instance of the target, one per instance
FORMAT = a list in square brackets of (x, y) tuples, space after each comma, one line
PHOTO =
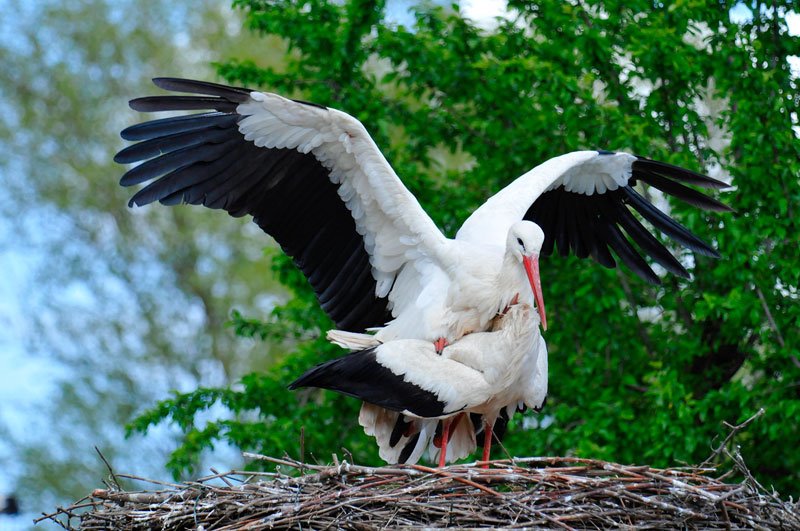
[(400, 428), (667, 225), (192, 86), (157, 146), (181, 103), (204, 159), (178, 124), (649, 244), (643, 164), (684, 193), (593, 225), (628, 254)]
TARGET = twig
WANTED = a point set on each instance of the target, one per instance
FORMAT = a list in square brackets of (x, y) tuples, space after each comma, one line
[(731, 434), (768, 313), (110, 470), (220, 476), (465, 481), (302, 448)]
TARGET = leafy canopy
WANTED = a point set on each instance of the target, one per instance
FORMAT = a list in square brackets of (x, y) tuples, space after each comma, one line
[(638, 373)]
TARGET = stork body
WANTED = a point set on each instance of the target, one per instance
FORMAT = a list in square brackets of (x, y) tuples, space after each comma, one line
[(313, 178), (408, 387)]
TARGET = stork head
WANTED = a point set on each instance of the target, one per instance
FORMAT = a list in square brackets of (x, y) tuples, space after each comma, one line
[(525, 240)]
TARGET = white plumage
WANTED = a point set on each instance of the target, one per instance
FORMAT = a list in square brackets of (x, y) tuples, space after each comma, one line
[(406, 249)]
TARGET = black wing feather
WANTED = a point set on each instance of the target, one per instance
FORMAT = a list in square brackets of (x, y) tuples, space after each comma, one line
[(644, 165), (666, 224), (593, 225), (178, 124), (576, 236), (562, 225), (400, 428), (181, 103), (168, 162), (647, 241), (684, 193), (628, 254), (203, 159), (192, 86), (408, 449), (157, 146)]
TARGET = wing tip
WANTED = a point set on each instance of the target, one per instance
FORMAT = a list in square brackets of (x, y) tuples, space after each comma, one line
[(139, 104), (163, 82), (651, 278), (127, 134), (707, 250)]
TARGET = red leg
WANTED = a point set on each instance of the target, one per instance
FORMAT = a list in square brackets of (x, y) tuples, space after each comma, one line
[(487, 443), (445, 436), (439, 344)]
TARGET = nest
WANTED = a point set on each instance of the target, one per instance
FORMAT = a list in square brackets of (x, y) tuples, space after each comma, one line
[(540, 492)]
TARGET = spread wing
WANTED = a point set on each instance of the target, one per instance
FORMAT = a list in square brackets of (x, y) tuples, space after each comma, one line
[(310, 176), (584, 202)]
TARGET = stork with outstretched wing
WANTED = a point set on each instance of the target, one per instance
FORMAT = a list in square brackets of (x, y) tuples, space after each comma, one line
[(313, 178)]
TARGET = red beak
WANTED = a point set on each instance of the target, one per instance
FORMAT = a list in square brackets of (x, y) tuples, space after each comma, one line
[(531, 264)]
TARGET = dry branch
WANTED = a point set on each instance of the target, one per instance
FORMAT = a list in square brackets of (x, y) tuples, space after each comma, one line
[(539, 492)]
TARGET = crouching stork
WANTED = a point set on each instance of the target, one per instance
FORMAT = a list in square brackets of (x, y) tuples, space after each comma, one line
[(408, 388)]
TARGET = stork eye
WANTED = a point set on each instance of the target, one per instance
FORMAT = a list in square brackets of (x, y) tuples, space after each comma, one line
[(519, 241)]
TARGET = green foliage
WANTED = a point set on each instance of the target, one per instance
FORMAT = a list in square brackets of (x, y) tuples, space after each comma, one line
[(677, 81)]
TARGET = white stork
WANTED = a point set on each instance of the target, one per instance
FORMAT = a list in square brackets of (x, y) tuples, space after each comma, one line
[(408, 387), (313, 178)]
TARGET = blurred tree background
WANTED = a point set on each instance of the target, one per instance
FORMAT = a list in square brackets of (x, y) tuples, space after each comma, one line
[(639, 374)]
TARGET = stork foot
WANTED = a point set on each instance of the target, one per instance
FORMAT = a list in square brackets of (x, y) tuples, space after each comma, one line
[(439, 345)]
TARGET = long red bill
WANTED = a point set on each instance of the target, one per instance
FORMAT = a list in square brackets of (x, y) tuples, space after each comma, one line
[(531, 264)]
